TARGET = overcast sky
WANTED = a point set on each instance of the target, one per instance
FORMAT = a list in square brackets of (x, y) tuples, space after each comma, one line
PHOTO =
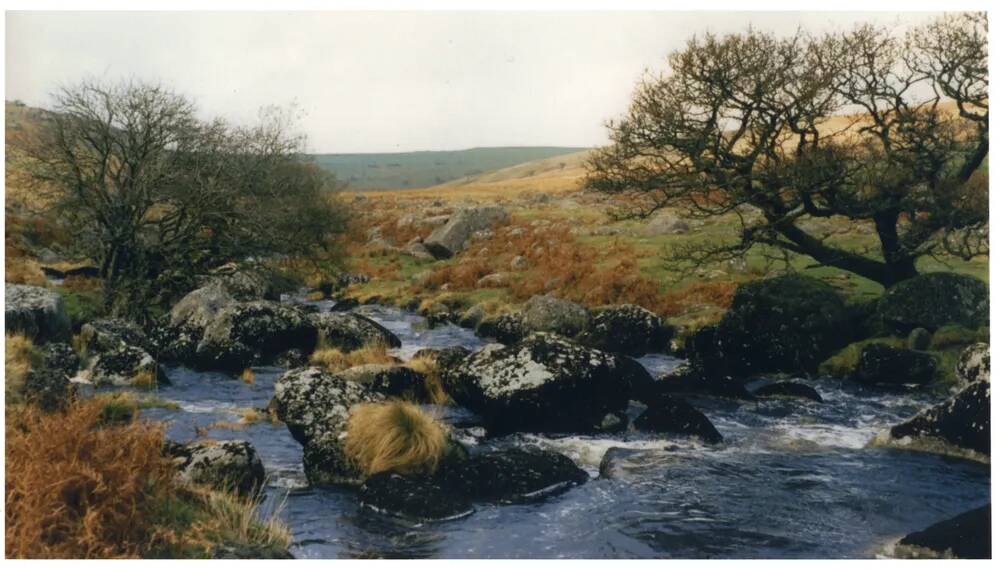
[(389, 81)]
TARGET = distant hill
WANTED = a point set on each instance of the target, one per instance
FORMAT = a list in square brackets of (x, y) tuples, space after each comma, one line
[(429, 168)]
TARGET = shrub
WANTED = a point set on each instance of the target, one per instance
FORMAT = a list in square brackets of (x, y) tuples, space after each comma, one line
[(394, 436)]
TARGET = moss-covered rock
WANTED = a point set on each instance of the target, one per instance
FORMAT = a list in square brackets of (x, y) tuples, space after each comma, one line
[(933, 300)]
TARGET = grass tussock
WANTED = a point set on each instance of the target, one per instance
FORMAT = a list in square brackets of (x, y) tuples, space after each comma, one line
[(433, 385), (248, 377), (394, 436), (144, 379), (20, 356), (335, 360), (81, 486)]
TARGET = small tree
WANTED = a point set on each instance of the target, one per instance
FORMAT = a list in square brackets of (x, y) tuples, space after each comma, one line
[(156, 196), (864, 126)]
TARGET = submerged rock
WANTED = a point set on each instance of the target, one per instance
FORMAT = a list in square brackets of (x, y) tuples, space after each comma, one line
[(788, 389), (932, 300), (225, 465), (422, 499), (628, 329), (957, 426), (511, 476), (545, 383), (884, 364), (965, 536), (37, 312), (673, 415)]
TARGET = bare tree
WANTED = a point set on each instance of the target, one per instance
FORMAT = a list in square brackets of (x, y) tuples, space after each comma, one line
[(865, 126), (155, 196)]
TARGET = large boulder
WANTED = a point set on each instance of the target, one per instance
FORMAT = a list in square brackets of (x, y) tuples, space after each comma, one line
[(124, 366), (974, 363), (108, 334), (628, 329), (965, 536), (960, 425), (36, 312), (246, 333), (887, 365), (453, 237), (390, 380), (546, 313), (544, 383), (505, 328), (348, 331), (932, 300), (784, 324), (673, 415), (226, 465)]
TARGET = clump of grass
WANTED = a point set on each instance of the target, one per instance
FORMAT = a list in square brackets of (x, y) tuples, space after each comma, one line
[(336, 360), (433, 385), (248, 376), (251, 415), (231, 518), (227, 425), (394, 436), (144, 379), (20, 356)]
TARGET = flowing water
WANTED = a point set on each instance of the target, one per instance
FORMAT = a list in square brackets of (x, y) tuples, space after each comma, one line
[(793, 478)]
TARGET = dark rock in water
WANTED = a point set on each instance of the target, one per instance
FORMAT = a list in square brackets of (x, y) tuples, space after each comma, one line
[(344, 305), (445, 358), (672, 415), (325, 463), (225, 465), (966, 536), (545, 383), (511, 475), (389, 380), (37, 312), (420, 499), (788, 389), (506, 329), (121, 365), (247, 333), (962, 421), (784, 324), (349, 332), (612, 423), (619, 462), (292, 358), (546, 313), (932, 300), (974, 363), (690, 379), (628, 329), (919, 339), (48, 388), (884, 364), (107, 334)]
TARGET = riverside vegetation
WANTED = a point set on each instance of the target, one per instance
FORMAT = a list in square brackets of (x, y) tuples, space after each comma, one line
[(538, 339)]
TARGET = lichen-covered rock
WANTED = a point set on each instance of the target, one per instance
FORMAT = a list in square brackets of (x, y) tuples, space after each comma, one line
[(325, 463), (934, 299), (246, 333), (788, 389), (884, 364), (546, 313), (226, 465), (390, 380), (957, 426), (673, 415), (505, 328), (628, 329), (422, 499), (545, 383), (965, 536), (122, 365), (348, 331), (784, 324), (511, 476), (974, 363), (107, 334), (37, 312), (445, 358), (61, 358), (48, 388), (453, 237)]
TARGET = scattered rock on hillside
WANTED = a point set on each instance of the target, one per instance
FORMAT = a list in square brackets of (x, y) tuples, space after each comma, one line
[(544, 383), (36, 312), (546, 313), (666, 223), (628, 329), (932, 300), (453, 237)]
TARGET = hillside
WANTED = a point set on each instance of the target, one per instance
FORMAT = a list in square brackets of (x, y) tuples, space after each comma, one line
[(429, 168)]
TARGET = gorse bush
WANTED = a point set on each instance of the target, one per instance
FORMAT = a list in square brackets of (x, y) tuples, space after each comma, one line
[(394, 436)]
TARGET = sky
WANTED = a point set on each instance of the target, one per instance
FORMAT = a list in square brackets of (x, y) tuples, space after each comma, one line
[(387, 81)]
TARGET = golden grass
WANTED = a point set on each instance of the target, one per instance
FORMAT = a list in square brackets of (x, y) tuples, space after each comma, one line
[(20, 356), (251, 415), (428, 368), (394, 436), (144, 379), (248, 377), (20, 269), (335, 360)]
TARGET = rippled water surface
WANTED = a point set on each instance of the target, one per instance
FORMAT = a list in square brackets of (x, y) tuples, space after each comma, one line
[(793, 478)]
